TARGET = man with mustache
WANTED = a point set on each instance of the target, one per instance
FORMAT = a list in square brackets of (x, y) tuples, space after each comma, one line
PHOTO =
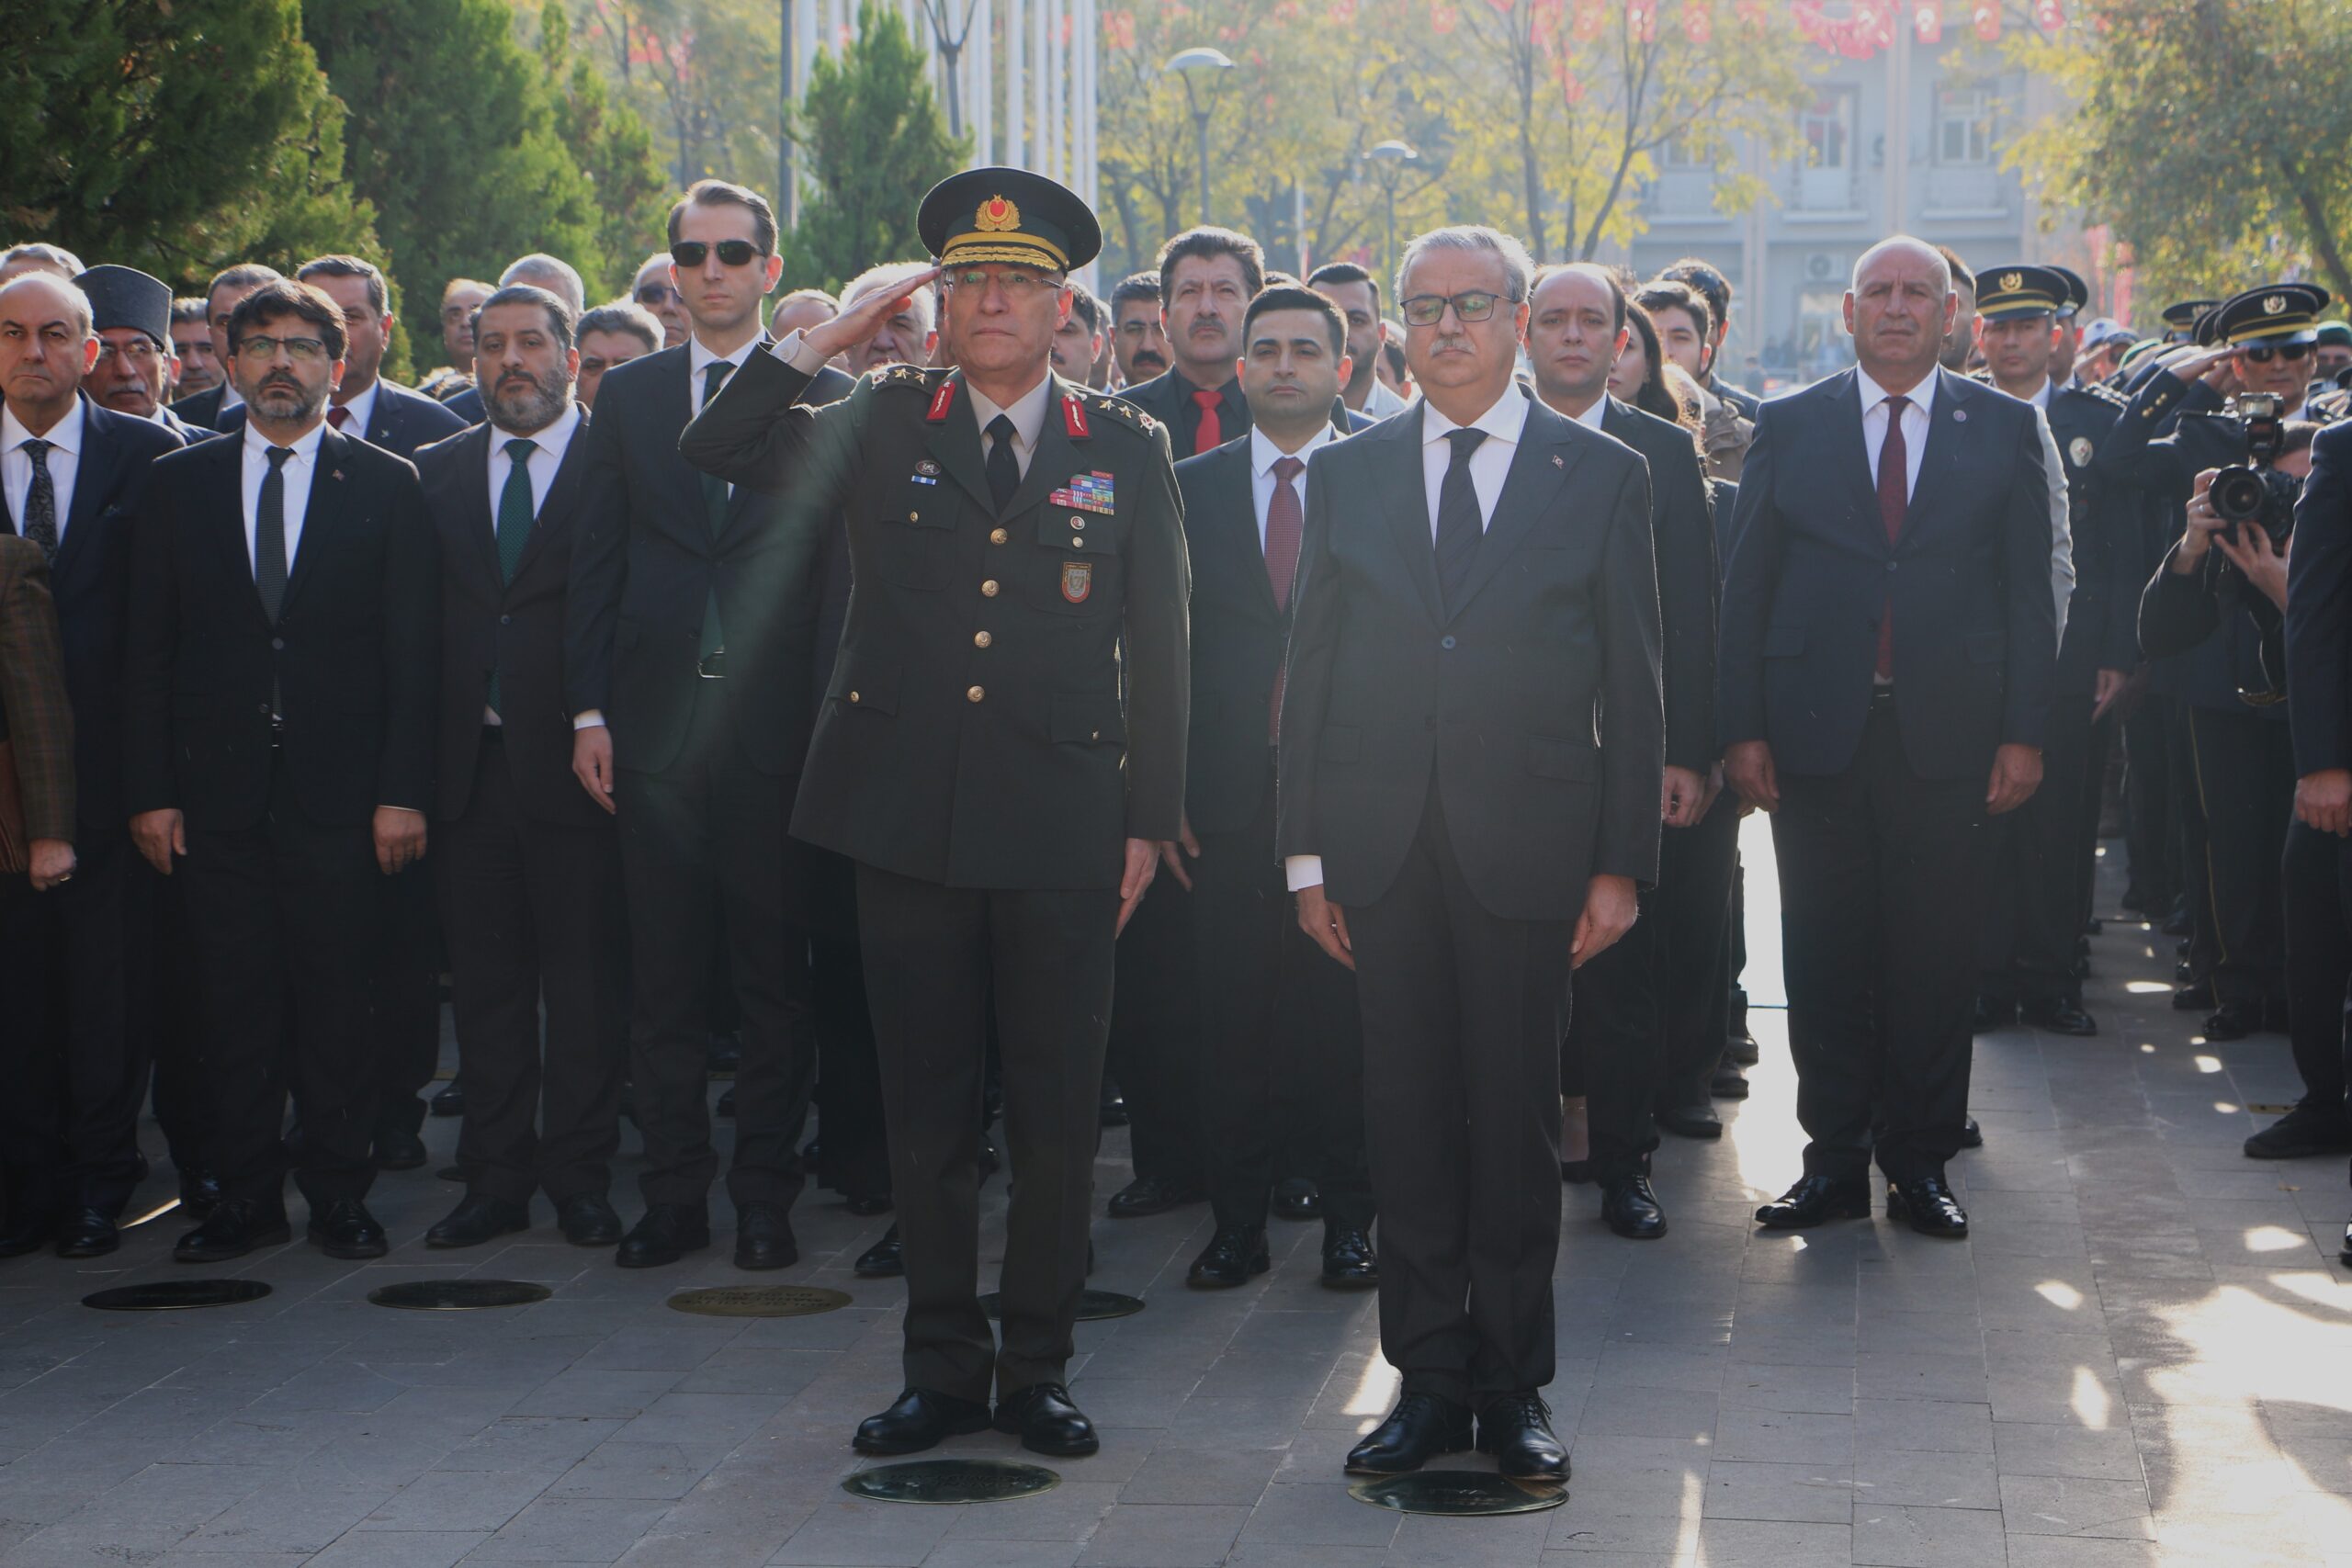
[(207, 410), (1139, 342)]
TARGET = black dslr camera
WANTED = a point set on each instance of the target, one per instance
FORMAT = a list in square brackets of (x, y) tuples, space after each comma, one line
[(2255, 491)]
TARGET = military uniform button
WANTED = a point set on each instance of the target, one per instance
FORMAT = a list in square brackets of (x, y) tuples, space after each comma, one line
[(913, 516), (987, 588), (976, 694), (981, 639), (853, 696), (998, 535)]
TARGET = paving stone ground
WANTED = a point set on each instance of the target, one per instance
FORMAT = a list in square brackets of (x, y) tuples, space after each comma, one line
[(2141, 1358)]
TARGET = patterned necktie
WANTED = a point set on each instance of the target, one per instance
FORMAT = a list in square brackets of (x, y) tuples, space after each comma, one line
[(337, 415), (1459, 525), (1893, 496), (269, 533), (714, 502), (1003, 465), (1211, 432), (1285, 525), (41, 501)]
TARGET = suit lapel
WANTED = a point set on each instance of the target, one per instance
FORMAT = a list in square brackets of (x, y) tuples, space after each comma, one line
[(1248, 548), (319, 516), (476, 519), (1540, 467), (560, 494), (955, 443), (1405, 496), (93, 475), (226, 496), (1939, 464), (739, 501)]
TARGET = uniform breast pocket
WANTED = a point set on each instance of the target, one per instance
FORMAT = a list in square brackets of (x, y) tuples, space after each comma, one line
[(914, 542), (1075, 568)]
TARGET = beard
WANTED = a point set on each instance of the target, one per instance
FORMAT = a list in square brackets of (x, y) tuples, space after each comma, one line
[(516, 407)]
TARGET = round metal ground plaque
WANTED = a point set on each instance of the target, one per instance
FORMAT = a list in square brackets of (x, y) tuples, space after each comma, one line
[(760, 1301), (458, 1295), (177, 1295), (1092, 1306), (1461, 1493), (951, 1480)]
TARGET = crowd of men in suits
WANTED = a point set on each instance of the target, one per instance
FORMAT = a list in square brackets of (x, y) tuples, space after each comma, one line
[(862, 692)]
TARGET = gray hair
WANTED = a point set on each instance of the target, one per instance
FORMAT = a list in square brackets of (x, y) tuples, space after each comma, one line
[(550, 272), (76, 300), (1519, 268), (894, 275), (624, 316), (34, 254)]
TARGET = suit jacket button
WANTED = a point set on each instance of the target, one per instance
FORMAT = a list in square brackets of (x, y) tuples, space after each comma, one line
[(505, 620), (975, 694), (853, 696), (981, 639), (1446, 643), (998, 535), (1890, 566), (913, 516), (987, 588), (278, 643)]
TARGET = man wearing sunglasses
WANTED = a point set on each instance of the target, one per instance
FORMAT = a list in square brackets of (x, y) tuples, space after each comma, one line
[(654, 290)]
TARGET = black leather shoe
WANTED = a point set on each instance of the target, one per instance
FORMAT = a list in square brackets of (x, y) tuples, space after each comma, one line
[(2059, 1015), (1575, 1172), (1046, 1422), (1517, 1429), (885, 1260), (726, 1106), (1150, 1195), (397, 1149), (451, 1102), (764, 1236), (1631, 1208), (2303, 1132), (479, 1218), (348, 1231), (587, 1219), (866, 1207), (456, 1173), (1422, 1427), (1296, 1198), (723, 1053), (1972, 1136), (1113, 1112), (2196, 997), (918, 1421), (1742, 1048), (1727, 1082), (87, 1232), (1985, 1015), (235, 1226), (2179, 923), (1349, 1261), (26, 1230), (199, 1192), (2344, 1253), (1928, 1206), (2233, 1020), (990, 1161), (1697, 1120), (668, 1233), (1816, 1199), (1233, 1255)]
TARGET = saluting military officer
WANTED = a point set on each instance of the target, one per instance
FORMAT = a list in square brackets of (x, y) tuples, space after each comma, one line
[(1017, 546)]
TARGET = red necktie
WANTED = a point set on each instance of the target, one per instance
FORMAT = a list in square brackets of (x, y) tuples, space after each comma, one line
[(336, 414), (1211, 434), (1285, 525), (1893, 495)]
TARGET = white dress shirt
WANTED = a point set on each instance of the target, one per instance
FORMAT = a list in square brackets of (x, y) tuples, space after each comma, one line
[(64, 459), (358, 412), (296, 477), (551, 443), (699, 359), (1489, 464), (1380, 402), (1027, 413), (1594, 412), (2061, 528), (1263, 455), (1915, 425)]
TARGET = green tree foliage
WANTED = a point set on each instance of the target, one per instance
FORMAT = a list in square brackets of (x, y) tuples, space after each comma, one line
[(613, 148), (875, 140), (703, 74), (173, 137)]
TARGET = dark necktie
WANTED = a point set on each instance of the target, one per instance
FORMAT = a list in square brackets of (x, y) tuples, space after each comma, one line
[(1211, 432), (513, 525), (41, 501), (269, 533), (1003, 464), (338, 416), (1893, 496), (1458, 526), (1286, 526), (714, 502)]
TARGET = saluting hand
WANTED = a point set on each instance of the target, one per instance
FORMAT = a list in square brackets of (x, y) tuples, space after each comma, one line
[(862, 320)]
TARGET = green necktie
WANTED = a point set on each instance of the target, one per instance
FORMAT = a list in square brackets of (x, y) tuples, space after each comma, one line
[(513, 526), (714, 498)]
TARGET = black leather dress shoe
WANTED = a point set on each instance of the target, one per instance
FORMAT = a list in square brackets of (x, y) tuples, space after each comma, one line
[(200, 1190), (1972, 1136), (668, 1233), (1046, 1420), (2195, 997), (1742, 1048), (1631, 1208), (918, 1421), (235, 1226), (1113, 1112), (866, 1207), (1927, 1206), (764, 1236), (1422, 1427), (1150, 1195), (726, 1106), (723, 1053), (885, 1260), (2344, 1253), (2180, 923), (348, 1231), (587, 1219), (1985, 1015), (1727, 1082), (1517, 1429), (2303, 1132), (1296, 1198), (1233, 1255), (1575, 1172), (1349, 1261), (2233, 1020), (397, 1149), (451, 1102), (1816, 1199), (1697, 1120), (479, 1218), (990, 1161), (2059, 1015), (87, 1232)]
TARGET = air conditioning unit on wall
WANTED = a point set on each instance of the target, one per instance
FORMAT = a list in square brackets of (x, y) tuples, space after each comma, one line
[(1823, 267)]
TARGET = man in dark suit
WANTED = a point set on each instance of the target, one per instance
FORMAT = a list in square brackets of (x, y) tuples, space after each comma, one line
[(1617, 1042), (278, 754), (209, 410), (528, 865), (1471, 756), (73, 474), (1889, 634), (1705, 279), (1271, 1005), (688, 637)]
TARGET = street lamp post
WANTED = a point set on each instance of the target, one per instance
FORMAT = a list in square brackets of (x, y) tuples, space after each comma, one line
[(1389, 157), (1185, 64)]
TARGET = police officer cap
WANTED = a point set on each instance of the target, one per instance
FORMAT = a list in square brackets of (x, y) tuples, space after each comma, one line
[(2338, 334), (1008, 215), (2016, 291), (2078, 293), (2266, 317), (2105, 330), (2181, 316), (125, 297)]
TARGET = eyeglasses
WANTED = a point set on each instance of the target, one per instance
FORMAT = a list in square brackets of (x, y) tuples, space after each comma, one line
[(661, 293), (302, 350), (731, 253), (2290, 352), (139, 351), (1428, 310), (1017, 286)]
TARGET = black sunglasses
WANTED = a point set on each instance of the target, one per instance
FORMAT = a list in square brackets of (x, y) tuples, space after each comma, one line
[(732, 253), (656, 293), (2290, 352)]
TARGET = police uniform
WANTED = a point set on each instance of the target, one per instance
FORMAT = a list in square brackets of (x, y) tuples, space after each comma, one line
[(1008, 710)]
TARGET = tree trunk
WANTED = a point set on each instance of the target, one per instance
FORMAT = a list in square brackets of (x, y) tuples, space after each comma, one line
[(2322, 241), (1530, 170)]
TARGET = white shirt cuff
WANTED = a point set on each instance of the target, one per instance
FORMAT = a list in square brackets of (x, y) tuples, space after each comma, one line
[(588, 719), (1303, 870), (796, 353)]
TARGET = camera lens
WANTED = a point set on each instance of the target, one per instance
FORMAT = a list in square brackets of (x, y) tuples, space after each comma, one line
[(2237, 496)]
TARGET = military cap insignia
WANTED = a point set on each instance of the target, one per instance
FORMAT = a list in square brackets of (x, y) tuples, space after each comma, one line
[(2012, 281), (997, 216), (2273, 304)]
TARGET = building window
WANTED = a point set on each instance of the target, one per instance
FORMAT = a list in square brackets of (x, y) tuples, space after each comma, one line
[(1963, 126), (1828, 128), (1680, 155)]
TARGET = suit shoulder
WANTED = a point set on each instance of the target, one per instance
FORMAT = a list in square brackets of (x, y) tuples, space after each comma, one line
[(140, 438), (632, 377), (367, 458), (445, 450), (422, 410)]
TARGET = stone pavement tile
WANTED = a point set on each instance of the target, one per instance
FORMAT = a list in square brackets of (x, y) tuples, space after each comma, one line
[(569, 1530), (288, 1516), (1799, 1493), (1648, 1413), (2035, 1449), (951, 1553), (2324, 1464), (1133, 1402), (1758, 1543), (2053, 1391), (1318, 1515), (1161, 1535), (1818, 1390), (1511, 1540), (2064, 1504), (151, 1511), (1070, 1512), (1897, 1537), (1955, 1375), (401, 1549), (479, 1500), (585, 1391), (2080, 1551), (1316, 1455), (531, 1442), (1690, 1368), (1251, 1423), (1203, 1474), (1246, 1555), (1911, 1478), (624, 1468), (701, 1418), (1658, 1520), (1572, 1559), (1790, 1437), (1941, 1331)]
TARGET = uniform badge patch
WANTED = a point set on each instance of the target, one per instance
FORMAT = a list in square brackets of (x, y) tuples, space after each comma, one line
[(2080, 450), (1078, 580), (1087, 492)]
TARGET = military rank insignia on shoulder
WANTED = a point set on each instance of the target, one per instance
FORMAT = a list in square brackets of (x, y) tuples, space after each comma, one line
[(2103, 392), (1125, 413), (889, 376)]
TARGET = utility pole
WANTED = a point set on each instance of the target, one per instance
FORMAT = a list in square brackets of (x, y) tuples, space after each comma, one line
[(787, 187)]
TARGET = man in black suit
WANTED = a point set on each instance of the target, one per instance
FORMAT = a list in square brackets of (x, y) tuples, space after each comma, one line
[(528, 865), (1617, 1042), (209, 410), (1471, 756), (74, 477), (1271, 1005), (688, 637), (1889, 634), (278, 754), (1710, 285)]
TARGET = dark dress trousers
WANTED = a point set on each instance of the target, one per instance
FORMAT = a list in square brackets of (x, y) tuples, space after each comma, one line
[(281, 872), (707, 769), (71, 958), (975, 759), (528, 862), (2318, 866), (1881, 832), (1464, 768), (1271, 1006)]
